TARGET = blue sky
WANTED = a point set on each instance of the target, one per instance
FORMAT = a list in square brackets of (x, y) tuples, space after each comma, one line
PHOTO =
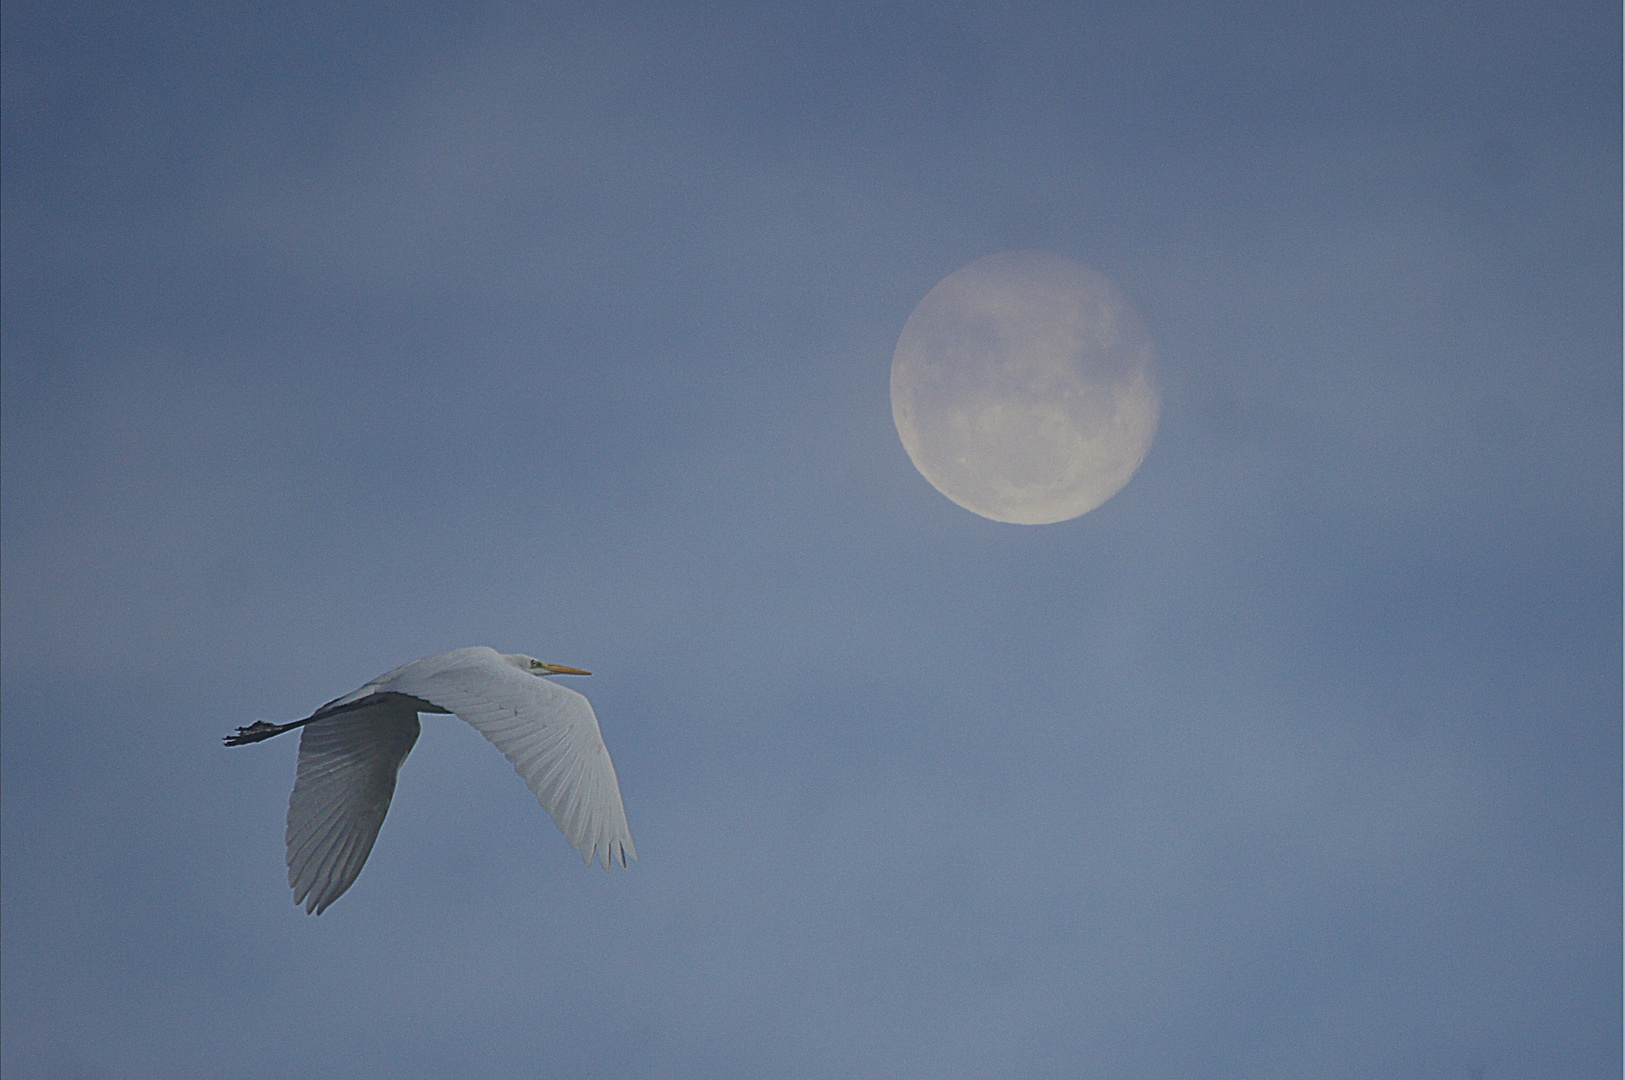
[(336, 338)]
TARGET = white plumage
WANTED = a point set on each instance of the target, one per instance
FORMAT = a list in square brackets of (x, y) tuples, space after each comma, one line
[(352, 749)]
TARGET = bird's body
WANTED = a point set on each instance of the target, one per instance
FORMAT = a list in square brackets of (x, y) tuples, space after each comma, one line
[(352, 748)]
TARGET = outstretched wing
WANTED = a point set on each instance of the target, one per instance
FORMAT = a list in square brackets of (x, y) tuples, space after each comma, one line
[(347, 768), (548, 732)]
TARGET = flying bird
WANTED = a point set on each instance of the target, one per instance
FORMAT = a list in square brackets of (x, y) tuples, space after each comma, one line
[(351, 750)]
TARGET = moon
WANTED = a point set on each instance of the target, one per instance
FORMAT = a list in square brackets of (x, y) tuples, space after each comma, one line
[(1024, 388)]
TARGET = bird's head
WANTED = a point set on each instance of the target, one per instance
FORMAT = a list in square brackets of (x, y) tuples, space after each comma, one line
[(540, 668)]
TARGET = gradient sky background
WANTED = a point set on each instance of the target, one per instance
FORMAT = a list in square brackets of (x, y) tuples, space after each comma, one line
[(339, 335)]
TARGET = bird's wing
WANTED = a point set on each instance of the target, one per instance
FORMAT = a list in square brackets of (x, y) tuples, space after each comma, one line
[(416, 671), (347, 768), (549, 733)]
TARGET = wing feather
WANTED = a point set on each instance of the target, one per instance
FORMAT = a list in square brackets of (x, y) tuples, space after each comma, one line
[(348, 762), (548, 732)]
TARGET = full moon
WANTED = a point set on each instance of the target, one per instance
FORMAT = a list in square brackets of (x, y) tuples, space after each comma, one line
[(1024, 389)]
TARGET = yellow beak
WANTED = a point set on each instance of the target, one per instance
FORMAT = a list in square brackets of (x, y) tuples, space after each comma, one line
[(560, 669)]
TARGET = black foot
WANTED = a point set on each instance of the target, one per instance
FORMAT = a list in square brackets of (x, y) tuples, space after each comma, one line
[(256, 732)]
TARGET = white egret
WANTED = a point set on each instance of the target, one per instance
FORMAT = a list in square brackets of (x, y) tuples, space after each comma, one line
[(352, 748)]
